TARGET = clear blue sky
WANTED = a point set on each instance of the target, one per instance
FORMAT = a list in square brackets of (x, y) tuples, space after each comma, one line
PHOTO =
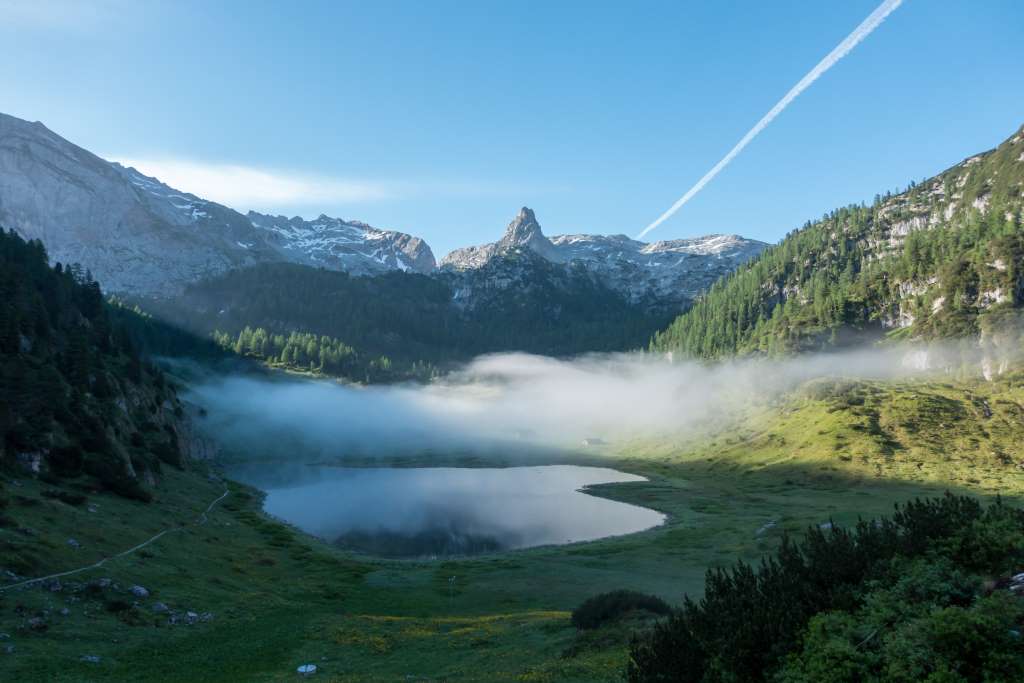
[(443, 118)]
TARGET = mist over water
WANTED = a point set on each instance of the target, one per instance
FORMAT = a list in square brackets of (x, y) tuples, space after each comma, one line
[(507, 404), (297, 439)]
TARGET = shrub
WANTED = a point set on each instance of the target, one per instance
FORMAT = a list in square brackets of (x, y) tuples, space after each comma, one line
[(606, 607), (114, 477), (64, 496), (66, 461), (888, 573), (117, 605)]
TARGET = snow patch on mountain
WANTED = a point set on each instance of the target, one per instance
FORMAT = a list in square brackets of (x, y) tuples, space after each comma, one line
[(345, 245), (667, 272)]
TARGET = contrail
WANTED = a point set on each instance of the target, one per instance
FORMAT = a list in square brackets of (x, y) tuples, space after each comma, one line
[(841, 50)]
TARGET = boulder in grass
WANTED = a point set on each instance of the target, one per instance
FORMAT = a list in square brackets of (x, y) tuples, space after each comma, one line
[(139, 592), (307, 669)]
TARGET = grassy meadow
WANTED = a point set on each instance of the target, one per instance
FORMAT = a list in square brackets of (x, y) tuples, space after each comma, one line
[(268, 598)]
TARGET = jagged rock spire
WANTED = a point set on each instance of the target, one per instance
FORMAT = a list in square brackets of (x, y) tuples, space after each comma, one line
[(524, 232)]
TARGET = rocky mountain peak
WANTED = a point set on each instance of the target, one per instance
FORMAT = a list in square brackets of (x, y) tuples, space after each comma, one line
[(523, 228), (524, 232), (670, 273)]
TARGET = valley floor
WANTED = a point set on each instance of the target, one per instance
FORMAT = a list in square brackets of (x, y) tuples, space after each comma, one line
[(267, 598)]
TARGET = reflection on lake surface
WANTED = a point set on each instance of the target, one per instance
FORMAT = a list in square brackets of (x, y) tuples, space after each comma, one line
[(423, 512)]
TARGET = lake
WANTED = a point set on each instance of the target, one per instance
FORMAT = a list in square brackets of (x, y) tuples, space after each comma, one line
[(446, 511)]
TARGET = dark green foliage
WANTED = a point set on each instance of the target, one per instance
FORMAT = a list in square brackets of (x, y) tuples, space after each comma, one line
[(844, 278), (117, 605), (68, 497), (322, 354), (606, 607), (930, 624), (138, 331), (411, 320), (70, 375), (929, 555)]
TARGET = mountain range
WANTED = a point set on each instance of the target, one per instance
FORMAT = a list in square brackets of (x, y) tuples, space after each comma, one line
[(141, 237), (668, 273)]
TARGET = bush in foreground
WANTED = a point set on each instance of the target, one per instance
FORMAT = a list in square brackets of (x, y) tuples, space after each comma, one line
[(890, 600), (606, 607)]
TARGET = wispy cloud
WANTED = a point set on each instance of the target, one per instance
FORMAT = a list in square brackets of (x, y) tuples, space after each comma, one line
[(244, 187), (860, 33)]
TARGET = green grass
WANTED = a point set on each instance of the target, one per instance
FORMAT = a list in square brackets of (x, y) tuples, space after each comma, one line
[(281, 599)]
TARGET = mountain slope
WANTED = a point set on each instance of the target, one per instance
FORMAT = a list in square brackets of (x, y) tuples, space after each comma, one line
[(349, 246), (139, 236), (942, 259), (524, 303), (663, 274), (76, 399)]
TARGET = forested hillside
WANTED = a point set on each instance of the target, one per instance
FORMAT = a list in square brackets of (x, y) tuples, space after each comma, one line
[(400, 324), (77, 399), (942, 259)]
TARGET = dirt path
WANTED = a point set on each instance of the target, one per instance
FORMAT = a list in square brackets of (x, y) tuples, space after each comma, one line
[(200, 521)]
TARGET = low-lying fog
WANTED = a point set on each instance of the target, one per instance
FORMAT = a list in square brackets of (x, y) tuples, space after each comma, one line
[(499, 402), (298, 435)]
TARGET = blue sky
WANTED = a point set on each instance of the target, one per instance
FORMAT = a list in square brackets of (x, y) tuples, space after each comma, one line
[(443, 118)]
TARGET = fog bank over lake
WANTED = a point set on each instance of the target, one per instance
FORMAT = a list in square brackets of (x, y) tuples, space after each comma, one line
[(504, 403)]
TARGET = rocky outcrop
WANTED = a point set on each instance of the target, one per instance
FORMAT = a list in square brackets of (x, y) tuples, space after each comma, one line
[(667, 274), (351, 246)]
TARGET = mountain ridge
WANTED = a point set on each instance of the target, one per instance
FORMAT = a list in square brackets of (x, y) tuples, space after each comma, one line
[(940, 260), (140, 236), (669, 273)]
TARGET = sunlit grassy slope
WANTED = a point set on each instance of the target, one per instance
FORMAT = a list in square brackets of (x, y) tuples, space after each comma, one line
[(832, 450)]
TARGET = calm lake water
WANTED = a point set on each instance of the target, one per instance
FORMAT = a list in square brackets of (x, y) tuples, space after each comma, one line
[(443, 511)]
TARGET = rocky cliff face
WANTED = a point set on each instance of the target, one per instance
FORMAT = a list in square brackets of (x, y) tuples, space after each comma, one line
[(351, 246), (139, 236), (669, 273)]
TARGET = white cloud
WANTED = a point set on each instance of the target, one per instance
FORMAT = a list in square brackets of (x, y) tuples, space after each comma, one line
[(271, 190), (248, 187)]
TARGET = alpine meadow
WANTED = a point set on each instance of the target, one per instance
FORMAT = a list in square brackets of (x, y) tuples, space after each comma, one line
[(246, 439)]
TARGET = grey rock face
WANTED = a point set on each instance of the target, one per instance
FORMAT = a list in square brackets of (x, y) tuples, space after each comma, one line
[(344, 245), (140, 236), (670, 272)]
